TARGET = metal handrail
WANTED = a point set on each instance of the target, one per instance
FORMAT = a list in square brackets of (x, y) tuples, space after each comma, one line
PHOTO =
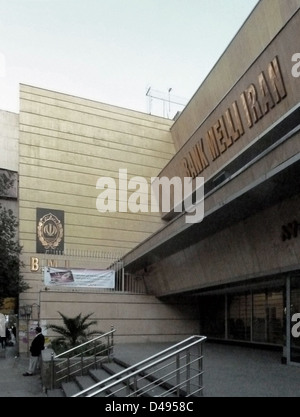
[(142, 367), (63, 368), (85, 343)]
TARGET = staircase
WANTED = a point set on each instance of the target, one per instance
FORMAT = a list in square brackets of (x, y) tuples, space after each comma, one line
[(95, 376), (174, 372)]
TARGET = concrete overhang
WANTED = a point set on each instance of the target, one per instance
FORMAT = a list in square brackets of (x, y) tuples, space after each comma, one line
[(274, 186)]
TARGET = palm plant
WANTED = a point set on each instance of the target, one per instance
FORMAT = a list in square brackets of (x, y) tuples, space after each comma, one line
[(74, 332)]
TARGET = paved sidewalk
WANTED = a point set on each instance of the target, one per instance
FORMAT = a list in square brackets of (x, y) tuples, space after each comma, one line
[(229, 371), (233, 371), (12, 382)]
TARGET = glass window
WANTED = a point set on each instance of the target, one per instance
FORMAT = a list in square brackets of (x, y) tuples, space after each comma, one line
[(275, 317), (268, 317), (259, 318), (252, 317)]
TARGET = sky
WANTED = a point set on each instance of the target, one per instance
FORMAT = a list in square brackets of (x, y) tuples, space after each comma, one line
[(146, 55)]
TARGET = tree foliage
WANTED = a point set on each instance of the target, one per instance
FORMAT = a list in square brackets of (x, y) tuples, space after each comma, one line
[(74, 331), (6, 182), (11, 280)]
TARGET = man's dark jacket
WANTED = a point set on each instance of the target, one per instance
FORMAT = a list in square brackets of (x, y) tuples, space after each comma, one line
[(37, 345)]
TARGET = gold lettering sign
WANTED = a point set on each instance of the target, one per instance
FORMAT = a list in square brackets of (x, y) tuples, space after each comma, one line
[(253, 104), (34, 264), (52, 263)]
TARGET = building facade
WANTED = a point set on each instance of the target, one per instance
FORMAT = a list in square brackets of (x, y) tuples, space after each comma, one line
[(67, 147), (240, 132)]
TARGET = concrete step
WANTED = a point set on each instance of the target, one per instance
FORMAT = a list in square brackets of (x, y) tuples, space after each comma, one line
[(148, 389), (70, 388), (87, 381), (99, 374), (142, 384), (55, 393), (113, 367), (119, 390), (116, 366)]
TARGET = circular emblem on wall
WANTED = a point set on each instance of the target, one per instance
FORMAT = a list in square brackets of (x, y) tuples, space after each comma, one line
[(50, 231)]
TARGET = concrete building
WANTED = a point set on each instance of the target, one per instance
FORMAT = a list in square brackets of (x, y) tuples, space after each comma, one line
[(234, 275), (66, 145), (240, 131)]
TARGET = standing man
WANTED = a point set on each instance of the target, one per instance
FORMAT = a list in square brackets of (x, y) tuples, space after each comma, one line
[(36, 347), (2, 330)]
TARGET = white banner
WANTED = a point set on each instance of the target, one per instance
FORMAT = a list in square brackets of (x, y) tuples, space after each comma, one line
[(79, 277)]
